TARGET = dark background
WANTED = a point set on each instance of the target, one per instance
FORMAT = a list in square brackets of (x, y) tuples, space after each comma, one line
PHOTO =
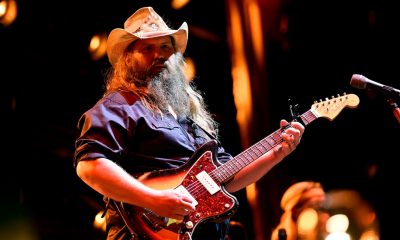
[(48, 80)]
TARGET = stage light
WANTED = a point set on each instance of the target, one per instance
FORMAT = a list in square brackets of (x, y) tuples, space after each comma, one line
[(98, 46), (8, 12), (99, 221), (337, 223), (190, 69), (178, 4), (369, 235), (338, 236), (307, 222)]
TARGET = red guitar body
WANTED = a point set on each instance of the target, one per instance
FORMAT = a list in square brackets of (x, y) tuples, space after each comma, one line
[(214, 207)]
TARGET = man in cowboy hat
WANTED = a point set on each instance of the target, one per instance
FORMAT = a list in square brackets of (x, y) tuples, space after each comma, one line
[(297, 199), (150, 119)]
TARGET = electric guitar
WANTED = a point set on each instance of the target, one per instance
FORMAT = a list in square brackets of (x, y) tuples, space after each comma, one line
[(203, 177)]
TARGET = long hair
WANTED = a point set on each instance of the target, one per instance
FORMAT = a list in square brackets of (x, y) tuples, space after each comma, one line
[(123, 77)]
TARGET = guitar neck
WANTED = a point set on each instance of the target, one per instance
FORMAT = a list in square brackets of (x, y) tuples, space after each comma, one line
[(230, 168)]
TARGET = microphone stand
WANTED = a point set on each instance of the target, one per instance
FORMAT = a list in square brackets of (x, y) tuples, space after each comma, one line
[(395, 109)]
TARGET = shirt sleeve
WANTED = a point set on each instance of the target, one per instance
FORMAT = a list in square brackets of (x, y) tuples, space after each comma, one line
[(104, 129), (223, 156)]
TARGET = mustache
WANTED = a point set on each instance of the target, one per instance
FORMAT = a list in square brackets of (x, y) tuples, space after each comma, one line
[(158, 61), (174, 61), (171, 65)]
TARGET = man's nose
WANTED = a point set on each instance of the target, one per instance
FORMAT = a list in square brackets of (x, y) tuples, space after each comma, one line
[(158, 53)]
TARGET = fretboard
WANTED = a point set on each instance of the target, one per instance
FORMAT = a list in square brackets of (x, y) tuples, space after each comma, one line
[(230, 168)]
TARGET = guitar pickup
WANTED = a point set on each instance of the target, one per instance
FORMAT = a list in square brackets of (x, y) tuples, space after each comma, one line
[(208, 182)]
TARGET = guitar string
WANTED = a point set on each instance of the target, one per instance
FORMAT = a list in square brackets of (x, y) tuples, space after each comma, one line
[(197, 189), (307, 117), (194, 187), (249, 155)]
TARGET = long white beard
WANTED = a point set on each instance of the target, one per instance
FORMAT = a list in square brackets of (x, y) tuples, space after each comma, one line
[(169, 88)]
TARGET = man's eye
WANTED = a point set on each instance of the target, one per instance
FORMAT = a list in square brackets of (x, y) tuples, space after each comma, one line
[(167, 47), (146, 49)]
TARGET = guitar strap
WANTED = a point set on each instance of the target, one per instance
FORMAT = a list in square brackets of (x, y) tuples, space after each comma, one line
[(196, 126), (120, 208), (124, 216)]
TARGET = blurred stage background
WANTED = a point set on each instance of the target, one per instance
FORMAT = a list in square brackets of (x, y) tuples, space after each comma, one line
[(298, 50)]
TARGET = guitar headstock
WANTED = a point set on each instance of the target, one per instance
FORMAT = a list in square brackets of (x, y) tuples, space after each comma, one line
[(330, 108)]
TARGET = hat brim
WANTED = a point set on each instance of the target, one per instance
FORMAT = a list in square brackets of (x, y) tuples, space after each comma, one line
[(296, 191), (119, 39)]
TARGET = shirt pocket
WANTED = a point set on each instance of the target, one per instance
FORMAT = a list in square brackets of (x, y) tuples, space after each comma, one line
[(170, 134), (164, 124)]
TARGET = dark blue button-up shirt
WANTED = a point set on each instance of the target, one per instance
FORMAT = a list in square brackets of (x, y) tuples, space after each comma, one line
[(120, 128)]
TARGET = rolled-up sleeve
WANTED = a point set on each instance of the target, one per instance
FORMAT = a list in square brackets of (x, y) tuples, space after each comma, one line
[(104, 130)]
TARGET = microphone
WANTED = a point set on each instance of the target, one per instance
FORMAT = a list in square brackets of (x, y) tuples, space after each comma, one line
[(361, 82)]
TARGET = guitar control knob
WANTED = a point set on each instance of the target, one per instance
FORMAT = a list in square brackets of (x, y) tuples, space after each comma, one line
[(189, 224), (227, 205)]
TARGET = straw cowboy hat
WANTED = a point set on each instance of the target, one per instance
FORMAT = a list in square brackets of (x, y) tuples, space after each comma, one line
[(143, 24), (300, 192)]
